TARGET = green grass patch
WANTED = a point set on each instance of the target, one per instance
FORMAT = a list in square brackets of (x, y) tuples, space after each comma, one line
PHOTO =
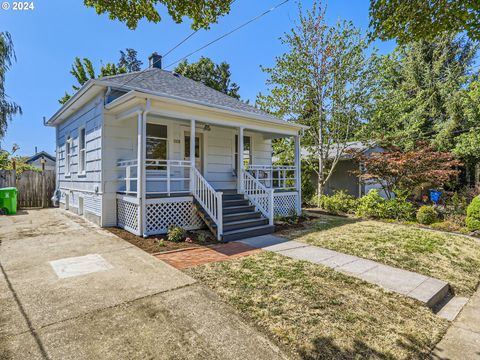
[(449, 257), (319, 313)]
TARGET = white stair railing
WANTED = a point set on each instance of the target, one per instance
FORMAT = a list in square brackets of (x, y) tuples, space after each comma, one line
[(208, 198), (259, 195)]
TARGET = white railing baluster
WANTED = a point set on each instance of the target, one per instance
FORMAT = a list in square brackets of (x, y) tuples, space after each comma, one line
[(259, 195), (209, 199)]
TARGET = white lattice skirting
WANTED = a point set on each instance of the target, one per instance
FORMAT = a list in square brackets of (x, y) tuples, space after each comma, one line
[(285, 203), (128, 214), (162, 213)]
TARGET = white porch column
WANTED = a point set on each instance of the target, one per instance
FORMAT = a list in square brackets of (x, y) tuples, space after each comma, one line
[(298, 173), (139, 170), (139, 155), (192, 152), (240, 159)]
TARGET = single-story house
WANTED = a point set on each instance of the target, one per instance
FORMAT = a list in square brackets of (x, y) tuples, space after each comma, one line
[(42, 160), (343, 176), (148, 150)]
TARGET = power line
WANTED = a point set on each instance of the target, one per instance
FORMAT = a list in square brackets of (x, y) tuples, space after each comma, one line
[(168, 52), (203, 47), (180, 43), (188, 37), (230, 32)]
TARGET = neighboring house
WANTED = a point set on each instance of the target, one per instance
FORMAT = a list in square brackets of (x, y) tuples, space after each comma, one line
[(42, 160), (124, 146), (343, 176)]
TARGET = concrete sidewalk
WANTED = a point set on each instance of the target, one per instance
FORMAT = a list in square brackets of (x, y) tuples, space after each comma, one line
[(428, 290), (462, 340), (70, 290)]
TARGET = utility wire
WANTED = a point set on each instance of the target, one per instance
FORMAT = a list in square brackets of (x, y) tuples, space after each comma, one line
[(180, 43), (188, 37), (230, 32), (169, 51)]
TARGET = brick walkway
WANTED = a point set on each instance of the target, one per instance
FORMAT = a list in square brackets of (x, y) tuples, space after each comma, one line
[(186, 258)]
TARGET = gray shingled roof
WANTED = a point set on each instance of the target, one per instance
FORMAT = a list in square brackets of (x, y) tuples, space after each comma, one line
[(171, 84)]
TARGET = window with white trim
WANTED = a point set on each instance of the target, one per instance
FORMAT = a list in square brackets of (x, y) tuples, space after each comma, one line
[(68, 154), (157, 144), (82, 158)]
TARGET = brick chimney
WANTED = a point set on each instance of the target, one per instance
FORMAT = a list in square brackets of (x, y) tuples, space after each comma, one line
[(155, 61)]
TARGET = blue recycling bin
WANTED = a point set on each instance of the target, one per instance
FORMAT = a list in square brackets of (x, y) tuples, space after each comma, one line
[(435, 196)]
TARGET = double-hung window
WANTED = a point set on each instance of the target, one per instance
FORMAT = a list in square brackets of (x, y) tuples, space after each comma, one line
[(82, 159), (68, 154), (157, 143)]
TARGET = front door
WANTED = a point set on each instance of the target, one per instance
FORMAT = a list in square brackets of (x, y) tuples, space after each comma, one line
[(198, 150)]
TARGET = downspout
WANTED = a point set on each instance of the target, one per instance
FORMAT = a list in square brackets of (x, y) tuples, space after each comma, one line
[(142, 181)]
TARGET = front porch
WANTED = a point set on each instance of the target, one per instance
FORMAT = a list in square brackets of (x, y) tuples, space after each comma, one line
[(229, 190), (170, 199)]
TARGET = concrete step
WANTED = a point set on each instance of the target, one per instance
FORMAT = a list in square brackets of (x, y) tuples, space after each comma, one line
[(451, 307), (247, 233), (244, 224)]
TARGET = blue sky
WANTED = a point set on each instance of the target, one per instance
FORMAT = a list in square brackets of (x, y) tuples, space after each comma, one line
[(48, 38)]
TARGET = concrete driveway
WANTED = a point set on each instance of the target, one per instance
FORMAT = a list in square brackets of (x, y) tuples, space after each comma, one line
[(69, 290)]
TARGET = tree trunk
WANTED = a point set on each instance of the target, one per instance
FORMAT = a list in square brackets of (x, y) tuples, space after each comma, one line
[(320, 155), (477, 174)]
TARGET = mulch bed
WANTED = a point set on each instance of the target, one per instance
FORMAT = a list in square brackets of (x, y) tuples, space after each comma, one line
[(301, 222), (151, 244)]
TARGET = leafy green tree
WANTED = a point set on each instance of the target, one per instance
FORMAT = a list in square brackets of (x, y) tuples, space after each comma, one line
[(414, 20), (216, 76), (421, 93), (322, 81), (83, 70), (202, 12), (8, 108), (9, 162), (129, 61)]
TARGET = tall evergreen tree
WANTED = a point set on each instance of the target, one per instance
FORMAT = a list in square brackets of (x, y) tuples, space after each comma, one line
[(420, 92), (8, 108), (129, 61)]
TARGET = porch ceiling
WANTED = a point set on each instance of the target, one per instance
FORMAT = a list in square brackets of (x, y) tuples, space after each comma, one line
[(133, 102)]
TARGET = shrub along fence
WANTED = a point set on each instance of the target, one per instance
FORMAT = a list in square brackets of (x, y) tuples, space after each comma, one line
[(35, 188)]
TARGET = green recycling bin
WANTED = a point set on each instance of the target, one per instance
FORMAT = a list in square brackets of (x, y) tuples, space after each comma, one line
[(8, 200)]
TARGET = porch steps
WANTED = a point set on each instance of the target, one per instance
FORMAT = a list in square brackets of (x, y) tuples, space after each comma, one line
[(240, 219)]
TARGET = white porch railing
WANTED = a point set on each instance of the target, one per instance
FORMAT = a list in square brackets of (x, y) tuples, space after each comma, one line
[(209, 199), (162, 176), (129, 177), (259, 195), (281, 177)]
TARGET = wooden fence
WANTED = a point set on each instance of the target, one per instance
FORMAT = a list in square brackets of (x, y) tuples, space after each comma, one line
[(35, 189)]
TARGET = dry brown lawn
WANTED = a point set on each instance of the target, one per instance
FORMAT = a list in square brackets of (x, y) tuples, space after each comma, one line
[(321, 314)]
